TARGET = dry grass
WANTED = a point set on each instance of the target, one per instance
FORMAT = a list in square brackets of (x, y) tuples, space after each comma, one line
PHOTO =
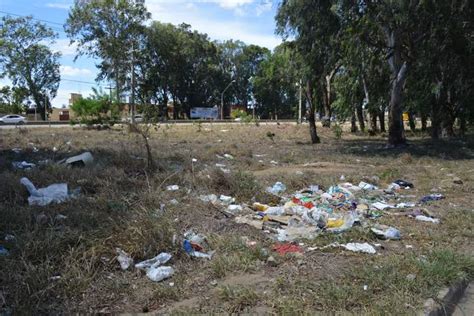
[(69, 266)]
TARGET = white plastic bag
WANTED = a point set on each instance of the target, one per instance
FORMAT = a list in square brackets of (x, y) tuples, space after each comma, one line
[(162, 258), (55, 193), (158, 274)]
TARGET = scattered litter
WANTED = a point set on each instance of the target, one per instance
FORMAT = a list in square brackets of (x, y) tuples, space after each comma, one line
[(357, 247), (432, 197), (382, 206), (174, 202), (273, 162), (234, 208), (366, 287), (342, 178), (23, 165), (195, 245), (160, 259), (283, 249), (208, 198), (60, 217), (9, 238), (367, 186), (220, 165), (277, 188), (194, 160), (224, 170), (158, 274), (411, 277), (81, 160), (403, 184), (424, 218), (386, 232), (16, 150), (409, 246), (55, 193), (228, 156), (4, 251), (124, 259), (226, 199), (305, 214), (173, 187)]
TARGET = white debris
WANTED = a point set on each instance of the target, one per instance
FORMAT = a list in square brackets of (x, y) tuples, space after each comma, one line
[(55, 193), (173, 187), (367, 186), (23, 165), (160, 259), (382, 206), (158, 274), (358, 247), (124, 259), (427, 219)]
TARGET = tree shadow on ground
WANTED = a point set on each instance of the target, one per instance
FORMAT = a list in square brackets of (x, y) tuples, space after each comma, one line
[(452, 149)]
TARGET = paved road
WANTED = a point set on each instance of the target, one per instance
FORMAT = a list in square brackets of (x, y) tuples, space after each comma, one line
[(466, 304)]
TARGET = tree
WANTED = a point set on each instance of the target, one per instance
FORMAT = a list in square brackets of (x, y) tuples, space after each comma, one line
[(27, 60), (275, 85), (109, 30)]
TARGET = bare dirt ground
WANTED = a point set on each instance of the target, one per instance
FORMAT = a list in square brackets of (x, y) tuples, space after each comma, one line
[(68, 265)]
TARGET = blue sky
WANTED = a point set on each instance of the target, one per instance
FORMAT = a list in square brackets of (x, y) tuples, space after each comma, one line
[(251, 21)]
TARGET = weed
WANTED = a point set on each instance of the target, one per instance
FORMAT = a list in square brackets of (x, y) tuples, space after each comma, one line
[(238, 297), (337, 130)]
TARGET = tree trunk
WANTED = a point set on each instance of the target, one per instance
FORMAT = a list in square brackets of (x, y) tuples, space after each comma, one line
[(412, 121), (327, 98), (396, 135), (353, 122), (312, 119), (360, 116), (373, 121), (382, 120), (175, 109), (462, 124), (424, 119)]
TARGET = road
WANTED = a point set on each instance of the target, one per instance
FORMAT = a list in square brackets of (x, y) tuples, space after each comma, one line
[(63, 125)]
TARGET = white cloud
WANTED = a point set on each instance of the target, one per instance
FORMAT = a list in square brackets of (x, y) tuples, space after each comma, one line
[(230, 4), (73, 71), (263, 7), (217, 29), (63, 46), (59, 5)]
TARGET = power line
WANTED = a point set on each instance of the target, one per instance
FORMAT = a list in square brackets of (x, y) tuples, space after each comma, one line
[(85, 82), (33, 18)]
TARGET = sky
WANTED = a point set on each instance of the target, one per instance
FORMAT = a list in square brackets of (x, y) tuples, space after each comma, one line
[(251, 21)]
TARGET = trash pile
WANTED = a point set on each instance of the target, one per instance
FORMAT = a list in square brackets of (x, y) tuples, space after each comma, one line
[(307, 213), (195, 245)]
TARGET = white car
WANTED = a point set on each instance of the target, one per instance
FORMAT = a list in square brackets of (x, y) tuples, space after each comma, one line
[(13, 119), (138, 119)]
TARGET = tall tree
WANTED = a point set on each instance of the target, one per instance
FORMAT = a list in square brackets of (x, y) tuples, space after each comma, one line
[(109, 30), (27, 60), (315, 26)]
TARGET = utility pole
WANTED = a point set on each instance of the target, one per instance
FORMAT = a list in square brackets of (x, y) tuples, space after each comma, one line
[(132, 95), (45, 106), (110, 92), (300, 101), (222, 98)]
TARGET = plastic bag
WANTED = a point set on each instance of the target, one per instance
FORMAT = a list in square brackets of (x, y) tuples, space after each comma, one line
[(55, 193), (160, 259), (158, 274)]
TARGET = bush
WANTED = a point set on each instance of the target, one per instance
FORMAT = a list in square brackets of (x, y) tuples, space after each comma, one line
[(244, 116), (92, 111)]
